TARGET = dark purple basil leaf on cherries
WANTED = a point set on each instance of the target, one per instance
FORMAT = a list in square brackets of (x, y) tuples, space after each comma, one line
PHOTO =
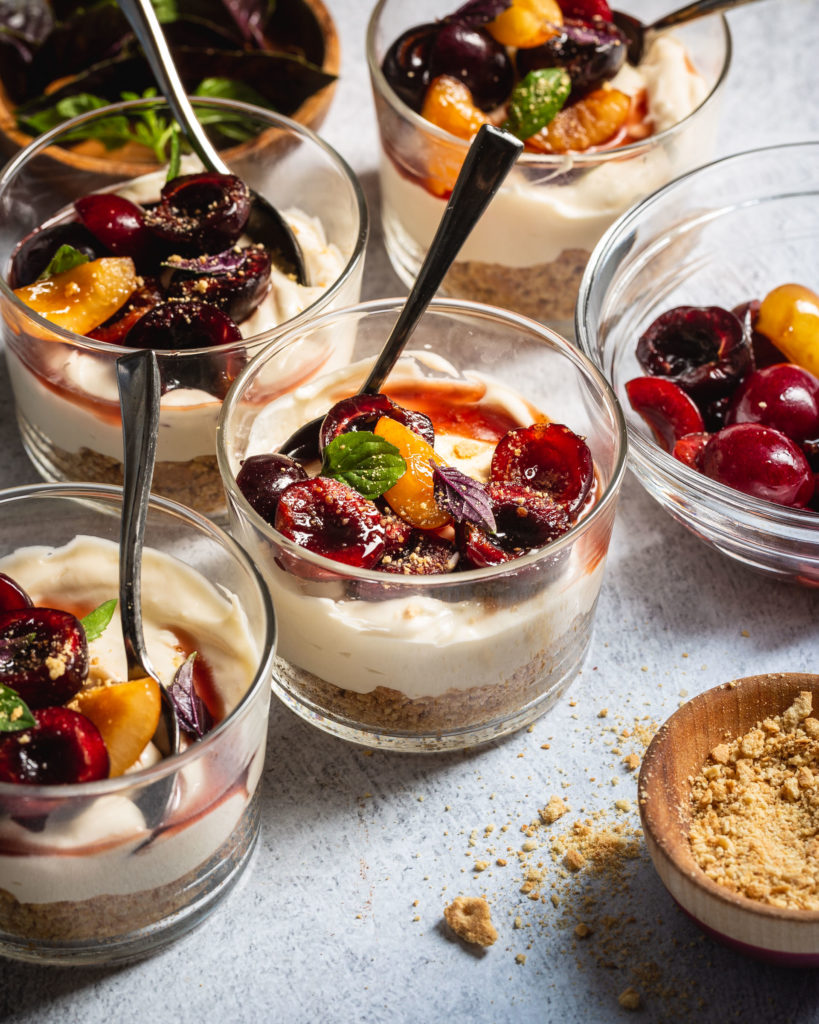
[(329, 518), (478, 12), (43, 654), (62, 748), (548, 457), (704, 349), (234, 281), (36, 251), (473, 56), (463, 498), (184, 324), (362, 412), (262, 478), (12, 595), (423, 554), (591, 54), (191, 711), (118, 223), (200, 213)]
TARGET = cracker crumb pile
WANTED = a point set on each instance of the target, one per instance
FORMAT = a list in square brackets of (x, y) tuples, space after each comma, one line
[(755, 811), (471, 920)]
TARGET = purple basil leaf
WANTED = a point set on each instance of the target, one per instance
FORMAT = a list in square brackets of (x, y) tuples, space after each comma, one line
[(226, 262), (250, 16), (462, 497), (194, 718), (478, 12), (30, 20)]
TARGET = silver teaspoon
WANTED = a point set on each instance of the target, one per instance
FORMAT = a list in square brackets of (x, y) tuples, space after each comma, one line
[(636, 31), (488, 161), (265, 224)]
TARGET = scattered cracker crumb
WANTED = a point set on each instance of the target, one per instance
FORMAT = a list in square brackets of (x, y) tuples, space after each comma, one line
[(603, 713), (555, 809), (574, 859), (629, 999), (481, 865), (520, 959), (632, 762), (471, 920), (582, 931)]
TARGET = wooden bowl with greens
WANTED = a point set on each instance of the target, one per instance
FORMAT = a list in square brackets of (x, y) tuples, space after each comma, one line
[(61, 58)]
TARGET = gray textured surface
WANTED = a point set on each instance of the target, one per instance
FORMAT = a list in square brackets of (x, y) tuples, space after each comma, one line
[(325, 926)]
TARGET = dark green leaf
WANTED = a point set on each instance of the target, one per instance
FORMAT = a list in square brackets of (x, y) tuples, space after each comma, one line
[(536, 100), (96, 622), (65, 258), (230, 89), (173, 160), (47, 118), (365, 461), (14, 712)]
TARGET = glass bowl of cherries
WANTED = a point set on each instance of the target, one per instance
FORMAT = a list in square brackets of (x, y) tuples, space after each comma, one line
[(701, 305), (94, 263)]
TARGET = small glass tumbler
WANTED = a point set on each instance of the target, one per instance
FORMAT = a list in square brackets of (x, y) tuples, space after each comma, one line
[(439, 661), (108, 871), (64, 384), (529, 250)]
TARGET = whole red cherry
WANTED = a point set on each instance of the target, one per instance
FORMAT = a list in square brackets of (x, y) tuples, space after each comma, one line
[(782, 396)]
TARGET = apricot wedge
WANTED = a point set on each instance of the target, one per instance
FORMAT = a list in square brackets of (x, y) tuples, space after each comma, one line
[(413, 496), (126, 715), (84, 297)]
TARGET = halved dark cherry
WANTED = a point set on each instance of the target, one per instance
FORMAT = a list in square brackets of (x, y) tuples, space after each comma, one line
[(666, 408), (43, 654), (591, 53), (689, 449), (262, 478), (397, 533), (118, 223), (64, 747), (783, 396), (147, 297), (328, 517), (547, 457), (186, 324), (236, 293), (201, 213), (704, 349), (406, 64), (362, 412), (34, 253), (12, 595), (471, 54), (424, 554), (760, 461)]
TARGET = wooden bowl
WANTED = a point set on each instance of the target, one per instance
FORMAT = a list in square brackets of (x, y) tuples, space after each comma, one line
[(132, 160), (677, 753)]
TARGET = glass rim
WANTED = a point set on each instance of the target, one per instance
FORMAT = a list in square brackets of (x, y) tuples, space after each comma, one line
[(641, 449), (37, 146), (167, 766), (588, 369), (559, 162)]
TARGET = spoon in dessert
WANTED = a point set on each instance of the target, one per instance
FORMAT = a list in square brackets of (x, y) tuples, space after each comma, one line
[(489, 159), (138, 383), (636, 31), (265, 224)]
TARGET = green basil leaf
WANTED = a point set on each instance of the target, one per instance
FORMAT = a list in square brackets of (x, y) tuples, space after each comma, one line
[(14, 712), (65, 258), (231, 89), (173, 159), (536, 99), (36, 123), (96, 622), (365, 461)]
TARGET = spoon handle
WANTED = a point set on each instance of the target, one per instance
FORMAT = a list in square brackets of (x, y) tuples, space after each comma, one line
[(698, 9), (143, 20), (490, 158), (138, 383)]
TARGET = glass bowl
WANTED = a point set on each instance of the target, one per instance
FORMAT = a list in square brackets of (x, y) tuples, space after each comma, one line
[(64, 384), (531, 246), (724, 234), (439, 661), (107, 871)]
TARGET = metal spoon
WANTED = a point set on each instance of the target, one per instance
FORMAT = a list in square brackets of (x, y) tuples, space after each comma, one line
[(636, 31), (138, 383), (490, 158), (265, 224)]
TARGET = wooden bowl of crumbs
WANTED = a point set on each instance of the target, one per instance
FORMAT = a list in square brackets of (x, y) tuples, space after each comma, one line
[(729, 803)]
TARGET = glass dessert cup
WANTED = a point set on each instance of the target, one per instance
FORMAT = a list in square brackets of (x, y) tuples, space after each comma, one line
[(426, 663), (64, 384), (724, 234), (108, 871), (530, 248)]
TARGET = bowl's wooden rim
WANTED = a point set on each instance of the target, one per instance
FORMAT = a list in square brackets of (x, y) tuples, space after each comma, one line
[(678, 751), (311, 113)]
